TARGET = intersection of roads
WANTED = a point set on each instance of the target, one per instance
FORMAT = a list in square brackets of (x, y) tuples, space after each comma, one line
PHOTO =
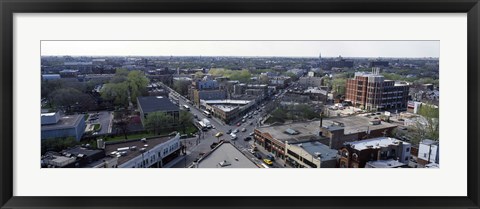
[(201, 144)]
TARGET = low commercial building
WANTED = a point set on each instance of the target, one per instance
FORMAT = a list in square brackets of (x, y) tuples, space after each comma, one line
[(216, 94), (48, 77), (428, 152), (331, 132), (56, 126), (310, 81), (337, 131), (280, 81), (310, 154), (227, 109), (225, 155), (357, 154), (75, 157), (159, 152), (150, 104), (69, 73), (274, 138)]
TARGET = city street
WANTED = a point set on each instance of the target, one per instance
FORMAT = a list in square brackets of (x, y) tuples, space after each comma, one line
[(201, 144)]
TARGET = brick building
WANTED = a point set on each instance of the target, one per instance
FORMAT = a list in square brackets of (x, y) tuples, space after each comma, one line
[(371, 91), (357, 154)]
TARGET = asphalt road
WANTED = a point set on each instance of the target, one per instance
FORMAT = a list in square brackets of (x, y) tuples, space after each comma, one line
[(201, 144)]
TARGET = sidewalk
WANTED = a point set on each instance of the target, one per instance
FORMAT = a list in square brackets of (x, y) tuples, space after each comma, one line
[(278, 160)]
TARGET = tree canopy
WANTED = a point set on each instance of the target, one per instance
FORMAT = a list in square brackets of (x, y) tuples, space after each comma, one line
[(240, 75), (156, 121), (123, 85)]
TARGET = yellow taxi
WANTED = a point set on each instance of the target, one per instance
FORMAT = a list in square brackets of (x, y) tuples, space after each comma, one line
[(219, 134), (267, 161)]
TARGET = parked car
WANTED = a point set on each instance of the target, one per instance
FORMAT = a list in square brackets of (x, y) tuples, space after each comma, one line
[(247, 138), (229, 131), (235, 131), (244, 129)]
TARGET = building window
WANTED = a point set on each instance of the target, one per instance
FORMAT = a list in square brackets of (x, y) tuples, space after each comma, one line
[(408, 149), (424, 154)]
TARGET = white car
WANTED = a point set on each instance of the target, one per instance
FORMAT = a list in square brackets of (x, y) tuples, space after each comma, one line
[(235, 131)]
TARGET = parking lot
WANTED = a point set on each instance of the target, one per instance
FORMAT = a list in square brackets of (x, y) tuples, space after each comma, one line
[(104, 118)]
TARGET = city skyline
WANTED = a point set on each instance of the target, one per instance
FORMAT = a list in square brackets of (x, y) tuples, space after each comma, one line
[(364, 49)]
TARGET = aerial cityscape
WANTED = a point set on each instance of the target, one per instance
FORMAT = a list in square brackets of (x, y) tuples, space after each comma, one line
[(235, 108)]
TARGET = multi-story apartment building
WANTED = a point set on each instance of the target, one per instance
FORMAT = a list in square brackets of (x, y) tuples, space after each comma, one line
[(371, 91)]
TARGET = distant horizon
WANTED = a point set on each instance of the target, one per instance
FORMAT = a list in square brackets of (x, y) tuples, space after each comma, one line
[(312, 57), (246, 48)]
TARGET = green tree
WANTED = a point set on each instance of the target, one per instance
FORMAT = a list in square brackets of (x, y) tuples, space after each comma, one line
[(156, 121), (116, 92), (125, 84), (137, 83), (429, 129), (338, 85), (120, 76), (199, 75), (181, 86), (70, 99), (121, 121), (185, 119)]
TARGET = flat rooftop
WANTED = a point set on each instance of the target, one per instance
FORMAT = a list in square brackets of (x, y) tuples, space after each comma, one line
[(76, 151), (355, 124), (316, 148), (391, 163), (226, 152), (109, 148), (374, 143), (226, 108), (65, 122), (228, 101), (156, 103), (305, 131), (310, 130)]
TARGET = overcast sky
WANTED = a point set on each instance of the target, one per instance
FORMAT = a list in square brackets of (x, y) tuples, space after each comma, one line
[(243, 48)]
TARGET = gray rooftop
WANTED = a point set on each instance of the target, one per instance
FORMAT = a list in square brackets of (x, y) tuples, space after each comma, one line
[(316, 148), (391, 163), (65, 122), (310, 130), (428, 142), (375, 143), (156, 103), (226, 152), (75, 151), (305, 131), (355, 124), (109, 148)]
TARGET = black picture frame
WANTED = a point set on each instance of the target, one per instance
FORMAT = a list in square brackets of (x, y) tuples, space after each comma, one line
[(9, 7)]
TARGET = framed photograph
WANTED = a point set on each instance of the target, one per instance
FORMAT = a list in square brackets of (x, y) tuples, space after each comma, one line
[(197, 104)]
